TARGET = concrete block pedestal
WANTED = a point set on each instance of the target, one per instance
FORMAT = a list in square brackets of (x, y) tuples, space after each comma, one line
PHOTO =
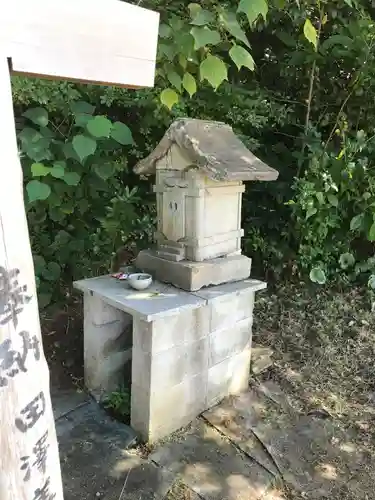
[(188, 349)]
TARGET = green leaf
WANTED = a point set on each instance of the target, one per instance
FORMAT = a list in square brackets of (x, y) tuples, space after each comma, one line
[(253, 9), (182, 61), (317, 275), (104, 171), (99, 126), (287, 39), (39, 264), (356, 222), (44, 299), (169, 98), (194, 9), (122, 134), (371, 233), (39, 150), (310, 33), (336, 40), (84, 146), (204, 36), (37, 190), (58, 169), (29, 136), (39, 116), (333, 200), (201, 17), (69, 152), (346, 260), (71, 178), (185, 44), (229, 20), (213, 70), (310, 212), (52, 271), (175, 79), (371, 282), (165, 31), (241, 57), (189, 84), (82, 119), (40, 170), (79, 107), (167, 50), (320, 197)]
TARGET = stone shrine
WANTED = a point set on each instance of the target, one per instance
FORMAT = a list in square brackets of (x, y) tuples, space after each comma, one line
[(200, 167), (186, 344)]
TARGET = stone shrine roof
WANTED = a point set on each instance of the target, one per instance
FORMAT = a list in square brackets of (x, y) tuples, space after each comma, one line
[(212, 147)]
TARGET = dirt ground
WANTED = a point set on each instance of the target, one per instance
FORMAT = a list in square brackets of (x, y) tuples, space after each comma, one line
[(324, 352), (62, 332)]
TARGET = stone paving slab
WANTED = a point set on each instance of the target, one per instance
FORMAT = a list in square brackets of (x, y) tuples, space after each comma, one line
[(211, 466), (311, 454), (65, 401), (228, 289), (158, 300), (96, 462)]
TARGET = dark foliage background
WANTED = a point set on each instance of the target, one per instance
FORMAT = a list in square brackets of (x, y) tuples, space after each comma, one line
[(296, 82)]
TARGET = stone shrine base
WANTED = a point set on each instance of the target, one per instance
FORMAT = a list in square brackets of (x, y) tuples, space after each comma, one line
[(193, 276), (188, 350)]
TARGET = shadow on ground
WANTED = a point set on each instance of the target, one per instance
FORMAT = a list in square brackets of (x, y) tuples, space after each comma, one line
[(303, 431)]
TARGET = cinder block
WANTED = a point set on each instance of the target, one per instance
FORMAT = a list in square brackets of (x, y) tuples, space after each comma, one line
[(229, 341), (171, 331), (99, 312), (155, 415), (105, 375), (228, 310), (107, 346), (168, 368), (231, 376)]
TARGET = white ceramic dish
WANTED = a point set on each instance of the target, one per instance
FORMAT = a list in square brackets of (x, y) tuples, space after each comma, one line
[(139, 281)]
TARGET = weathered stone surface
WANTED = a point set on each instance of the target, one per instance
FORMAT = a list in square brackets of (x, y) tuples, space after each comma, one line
[(261, 359), (228, 342), (230, 376), (67, 400), (157, 301), (312, 455), (212, 147), (185, 327), (228, 310), (155, 415), (165, 369), (107, 346), (231, 290), (192, 276), (95, 463), (211, 466)]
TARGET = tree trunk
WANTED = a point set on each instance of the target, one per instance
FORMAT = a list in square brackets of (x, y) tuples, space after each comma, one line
[(29, 459)]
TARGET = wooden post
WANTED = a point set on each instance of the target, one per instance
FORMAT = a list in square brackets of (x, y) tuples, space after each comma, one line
[(103, 41), (29, 459)]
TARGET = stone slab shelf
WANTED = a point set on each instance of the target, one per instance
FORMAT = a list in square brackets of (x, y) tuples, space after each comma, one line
[(185, 350)]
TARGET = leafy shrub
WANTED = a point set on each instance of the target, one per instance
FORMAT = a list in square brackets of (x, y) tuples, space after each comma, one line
[(78, 209), (294, 79)]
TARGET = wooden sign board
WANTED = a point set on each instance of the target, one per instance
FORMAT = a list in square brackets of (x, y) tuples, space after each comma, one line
[(96, 41), (100, 41)]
